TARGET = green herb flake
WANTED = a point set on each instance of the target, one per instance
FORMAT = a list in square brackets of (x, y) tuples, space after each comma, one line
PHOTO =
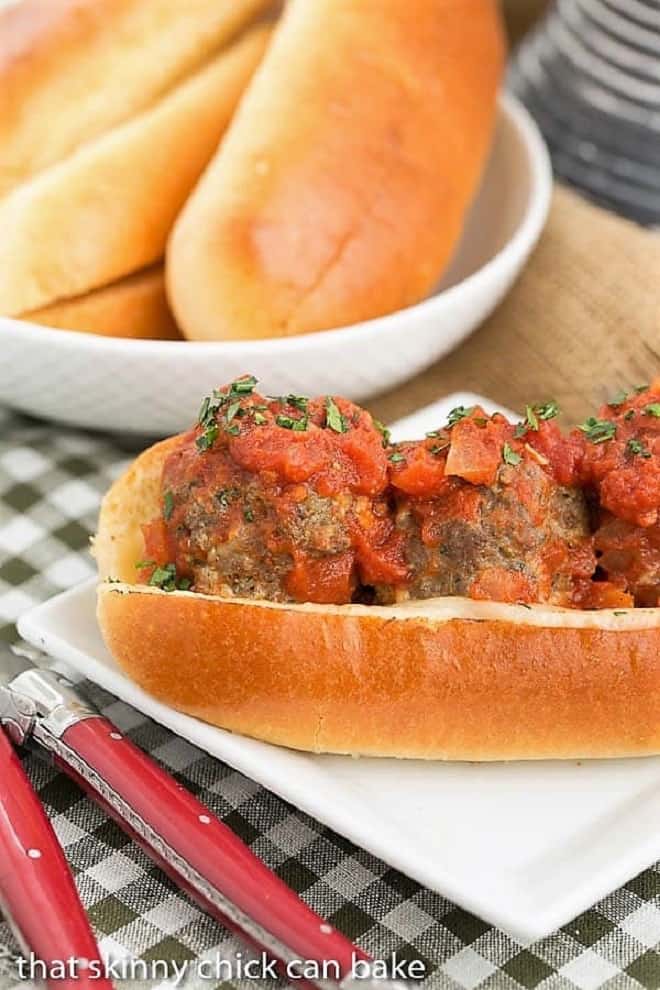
[(333, 418), (206, 440), (547, 410), (438, 448), (652, 410), (259, 418), (383, 430), (396, 457), (141, 564), (164, 578), (531, 419), (184, 584), (168, 505), (289, 423), (233, 430), (248, 514), (638, 389), (629, 415), (637, 449), (243, 386), (509, 456), (225, 496), (598, 430), (459, 413), (297, 401), (619, 613), (233, 410)]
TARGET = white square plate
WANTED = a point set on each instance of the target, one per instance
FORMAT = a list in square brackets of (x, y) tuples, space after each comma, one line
[(526, 846)]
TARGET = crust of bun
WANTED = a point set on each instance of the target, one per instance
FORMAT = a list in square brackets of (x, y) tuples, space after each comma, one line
[(106, 211), (340, 190), (437, 679), (134, 307), (120, 55)]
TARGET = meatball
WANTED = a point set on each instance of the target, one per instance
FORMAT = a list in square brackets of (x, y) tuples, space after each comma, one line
[(483, 515), (621, 469), (277, 498)]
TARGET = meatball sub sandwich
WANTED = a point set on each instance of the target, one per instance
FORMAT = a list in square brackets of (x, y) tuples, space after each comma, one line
[(488, 592)]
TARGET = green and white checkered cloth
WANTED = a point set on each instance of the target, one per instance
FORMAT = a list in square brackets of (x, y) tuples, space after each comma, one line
[(51, 480)]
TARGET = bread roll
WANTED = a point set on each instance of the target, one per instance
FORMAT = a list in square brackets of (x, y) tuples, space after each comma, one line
[(106, 211), (72, 69), (340, 189), (135, 306), (444, 678)]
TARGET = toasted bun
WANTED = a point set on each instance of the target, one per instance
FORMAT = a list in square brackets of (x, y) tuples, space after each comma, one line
[(135, 306), (340, 190), (72, 69), (106, 211), (439, 679)]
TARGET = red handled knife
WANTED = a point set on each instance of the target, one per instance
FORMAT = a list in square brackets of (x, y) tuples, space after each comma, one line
[(201, 854)]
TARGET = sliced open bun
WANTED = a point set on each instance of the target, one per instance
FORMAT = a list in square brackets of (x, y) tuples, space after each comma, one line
[(444, 678)]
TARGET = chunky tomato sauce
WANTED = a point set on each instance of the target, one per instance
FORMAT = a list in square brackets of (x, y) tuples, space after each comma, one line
[(291, 499)]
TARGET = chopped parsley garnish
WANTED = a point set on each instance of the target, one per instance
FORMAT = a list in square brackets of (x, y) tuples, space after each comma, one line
[(640, 388), (243, 386), (383, 430), (547, 410), (459, 413), (233, 430), (248, 514), (333, 418), (433, 433), (509, 456), (629, 415), (206, 439), (288, 423), (233, 410), (141, 564), (396, 457), (637, 449), (225, 495), (297, 401), (165, 578), (531, 419), (652, 410), (598, 430), (168, 504), (437, 448), (213, 403), (541, 411), (259, 418)]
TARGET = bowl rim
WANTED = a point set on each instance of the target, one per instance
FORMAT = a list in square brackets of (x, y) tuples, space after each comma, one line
[(519, 243)]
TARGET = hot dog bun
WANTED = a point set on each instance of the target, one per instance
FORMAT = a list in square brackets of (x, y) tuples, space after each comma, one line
[(84, 66), (444, 678), (106, 210), (340, 189), (135, 306)]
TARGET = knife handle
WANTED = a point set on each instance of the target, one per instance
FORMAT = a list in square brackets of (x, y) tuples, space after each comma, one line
[(37, 891), (195, 848)]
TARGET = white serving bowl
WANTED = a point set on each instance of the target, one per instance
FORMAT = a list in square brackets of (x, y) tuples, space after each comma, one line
[(154, 387)]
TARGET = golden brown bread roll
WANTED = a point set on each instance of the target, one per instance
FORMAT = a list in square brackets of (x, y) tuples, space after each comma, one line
[(136, 306), (444, 678), (72, 69), (106, 210), (340, 189)]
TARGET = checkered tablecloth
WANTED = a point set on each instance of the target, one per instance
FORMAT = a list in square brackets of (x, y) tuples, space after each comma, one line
[(50, 483)]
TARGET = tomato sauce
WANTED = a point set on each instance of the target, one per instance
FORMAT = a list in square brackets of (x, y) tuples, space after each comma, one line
[(295, 499)]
